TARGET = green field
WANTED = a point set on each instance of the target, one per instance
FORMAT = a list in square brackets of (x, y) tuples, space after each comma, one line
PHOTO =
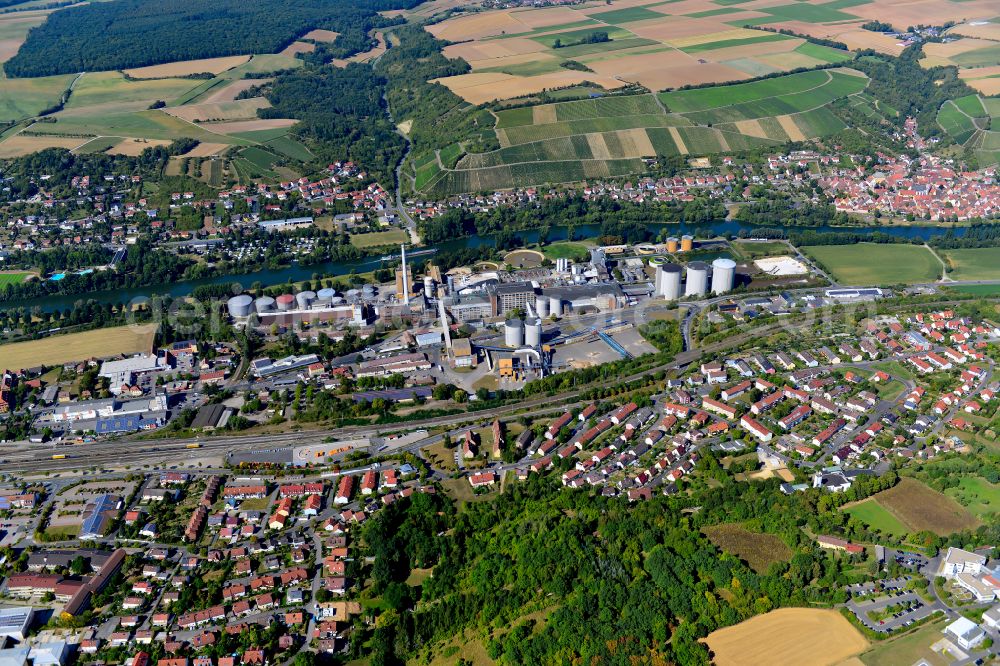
[(978, 289), (907, 649), (376, 238), (727, 43), (874, 515), (758, 250), (22, 98), (981, 263), (96, 88), (609, 135), (142, 124), (876, 264), (977, 495), (12, 278), (575, 251)]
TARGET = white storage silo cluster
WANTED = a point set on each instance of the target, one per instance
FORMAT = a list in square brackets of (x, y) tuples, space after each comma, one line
[(533, 332), (669, 281), (697, 279), (555, 306), (723, 275), (542, 307)]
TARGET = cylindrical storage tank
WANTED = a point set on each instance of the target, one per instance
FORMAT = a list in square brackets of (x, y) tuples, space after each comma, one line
[(697, 279), (670, 285), (672, 244), (353, 295), (555, 306), (542, 307), (514, 333), (305, 299), (687, 243), (285, 302), (337, 300), (723, 275), (659, 280), (325, 295), (451, 284), (657, 261), (240, 306), (428, 286), (533, 332), (264, 304)]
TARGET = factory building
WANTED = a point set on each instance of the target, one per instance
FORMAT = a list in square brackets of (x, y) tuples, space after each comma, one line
[(510, 296), (602, 297)]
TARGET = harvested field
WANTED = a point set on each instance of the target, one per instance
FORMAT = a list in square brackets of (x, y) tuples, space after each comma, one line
[(14, 28), (758, 550), (206, 149), (922, 508), (988, 86), (21, 144), (950, 53), (478, 25), (298, 47), (800, 636), (481, 88), (134, 147), (59, 349), (319, 35), (249, 125), (790, 128), (978, 29), (187, 67), (241, 109)]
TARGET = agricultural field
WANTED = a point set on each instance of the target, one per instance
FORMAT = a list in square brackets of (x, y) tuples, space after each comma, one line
[(758, 550), (20, 98), (921, 508), (973, 263), (611, 135), (801, 636), (877, 517), (659, 45), (970, 121), (876, 264), (61, 349)]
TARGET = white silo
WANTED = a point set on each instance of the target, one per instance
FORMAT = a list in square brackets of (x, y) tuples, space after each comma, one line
[(697, 279), (555, 306), (723, 275), (514, 333), (533, 332), (240, 306), (658, 284), (428, 286), (264, 304), (670, 285), (305, 299), (542, 307)]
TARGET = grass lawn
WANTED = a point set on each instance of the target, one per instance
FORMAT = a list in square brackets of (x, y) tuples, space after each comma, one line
[(62, 533), (756, 250), (894, 368), (461, 491), (876, 263), (890, 390), (12, 278), (376, 238), (255, 504), (977, 495), (575, 251), (874, 515), (981, 263), (907, 649)]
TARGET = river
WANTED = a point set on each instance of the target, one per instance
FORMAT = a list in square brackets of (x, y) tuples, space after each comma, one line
[(296, 273)]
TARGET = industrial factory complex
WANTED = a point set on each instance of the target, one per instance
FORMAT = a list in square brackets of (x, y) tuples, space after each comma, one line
[(516, 324)]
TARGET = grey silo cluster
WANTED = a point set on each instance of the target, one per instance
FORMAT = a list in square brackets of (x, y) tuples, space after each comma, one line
[(240, 306), (305, 299)]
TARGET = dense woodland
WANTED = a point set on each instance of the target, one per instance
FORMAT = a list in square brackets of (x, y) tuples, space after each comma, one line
[(134, 33), (604, 581)]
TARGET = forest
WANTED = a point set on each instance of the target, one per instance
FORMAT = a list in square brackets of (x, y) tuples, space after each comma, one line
[(135, 33), (542, 575)]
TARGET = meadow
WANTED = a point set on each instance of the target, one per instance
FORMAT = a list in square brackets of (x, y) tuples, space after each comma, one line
[(920, 508), (876, 264), (876, 516), (377, 238), (60, 349), (976, 494), (758, 550), (981, 263)]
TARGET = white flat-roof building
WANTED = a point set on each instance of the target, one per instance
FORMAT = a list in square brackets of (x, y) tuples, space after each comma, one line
[(958, 561), (991, 618), (14, 622), (122, 371), (17, 656), (966, 633)]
